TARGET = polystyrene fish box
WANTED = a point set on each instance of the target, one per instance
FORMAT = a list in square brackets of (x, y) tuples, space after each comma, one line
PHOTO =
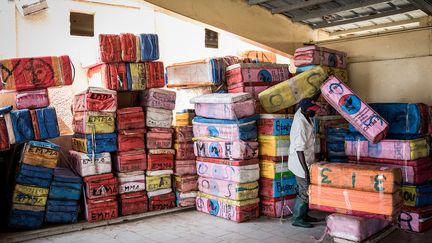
[(185, 199), (320, 56), (128, 161), (275, 146), (186, 183), (274, 167), (231, 170), (184, 151), (38, 153), (109, 76), (34, 175), (101, 142), (103, 208), (130, 118), (161, 202), (160, 159), (183, 134), (243, 129), (257, 74), (22, 126), (45, 124), (128, 45), (154, 183), (275, 124), (415, 219), (133, 203), (228, 189), (238, 211), (66, 185), (226, 149), (4, 134), (277, 187), (87, 122), (154, 74), (95, 99), (158, 98), (90, 164), (131, 181), (185, 167), (158, 117), (136, 76), (417, 195), (30, 195), (32, 99), (26, 217), (131, 139), (59, 211), (99, 186), (276, 206), (159, 138)]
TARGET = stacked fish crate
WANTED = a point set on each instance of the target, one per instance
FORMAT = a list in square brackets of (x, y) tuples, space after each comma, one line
[(33, 181), (185, 165), (159, 105), (227, 155), (63, 197), (332, 131), (278, 187), (406, 147), (94, 139)]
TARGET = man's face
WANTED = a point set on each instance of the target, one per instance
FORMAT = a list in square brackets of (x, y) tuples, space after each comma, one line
[(310, 113)]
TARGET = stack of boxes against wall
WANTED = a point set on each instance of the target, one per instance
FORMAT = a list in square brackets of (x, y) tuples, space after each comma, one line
[(227, 155), (33, 120)]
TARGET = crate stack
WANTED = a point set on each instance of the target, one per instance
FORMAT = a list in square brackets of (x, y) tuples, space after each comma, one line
[(32, 184), (406, 147), (159, 105), (63, 198), (185, 172), (227, 155), (332, 131), (278, 187), (94, 112)]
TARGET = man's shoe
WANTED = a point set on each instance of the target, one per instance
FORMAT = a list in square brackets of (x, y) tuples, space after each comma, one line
[(310, 219), (301, 223)]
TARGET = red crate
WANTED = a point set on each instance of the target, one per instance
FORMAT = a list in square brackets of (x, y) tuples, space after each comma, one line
[(130, 118), (131, 139), (184, 151), (155, 74), (129, 161), (160, 159), (4, 137), (161, 202), (186, 183), (183, 134), (185, 167), (101, 209), (158, 98), (133, 203), (98, 186), (159, 138), (110, 75)]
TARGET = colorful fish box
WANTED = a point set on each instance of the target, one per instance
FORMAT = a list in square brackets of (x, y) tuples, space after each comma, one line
[(101, 209), (183, 134), (357, 177), (90, 164), (238, 211), (65, 186), (4, 134), (186, 199), (6, 114), (367, 121), (224, 106), (131, 140), (128, 47), (277, 207), (130, 118), (197, 73), (184, 117), (228, 189), (95, 99), (240, 171), (158, 117), (45, 124), (243, 129), (184, 151), (186, 183), (155, 74), (35, 73), (149, 47), (38, 153), (109, 48), (109, 76), (340, 73), (160, 159), (100, 143), (274, 145), (274, 124), (99, 186), (352, 228), (133, 203), (320, 56), (154, 183), (34, 175), (417, 195), (32, 99), (22, 126), (257, 73), (415, 219), (128, 161), (284, 186), (226, 149), (161, 202), (185, 167), (26, 217), (88, 122), (274, 169), (159, 138), (158, 98), (59, 211), (291, 91), (131, 181), (136, 76), (30, 195)]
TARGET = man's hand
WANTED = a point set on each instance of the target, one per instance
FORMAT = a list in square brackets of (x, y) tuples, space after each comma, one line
[(302, 160)]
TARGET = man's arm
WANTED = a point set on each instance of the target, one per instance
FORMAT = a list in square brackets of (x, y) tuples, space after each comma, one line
[(302, 159)]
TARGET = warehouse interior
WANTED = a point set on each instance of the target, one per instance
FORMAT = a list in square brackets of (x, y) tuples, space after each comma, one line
[(171, 121)]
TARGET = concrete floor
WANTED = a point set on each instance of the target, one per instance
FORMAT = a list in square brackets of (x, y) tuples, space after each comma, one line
[(193, 226)]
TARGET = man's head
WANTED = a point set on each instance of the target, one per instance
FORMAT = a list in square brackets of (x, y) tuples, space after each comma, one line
[(308, 107)]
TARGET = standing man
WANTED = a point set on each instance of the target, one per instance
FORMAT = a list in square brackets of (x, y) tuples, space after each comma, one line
[(301, 156)]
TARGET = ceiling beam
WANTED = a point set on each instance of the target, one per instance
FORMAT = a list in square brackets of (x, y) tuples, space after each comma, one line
[(320, 13), (423, 5), (421, 21), (253, 2), (299, 5), (400, 10)]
